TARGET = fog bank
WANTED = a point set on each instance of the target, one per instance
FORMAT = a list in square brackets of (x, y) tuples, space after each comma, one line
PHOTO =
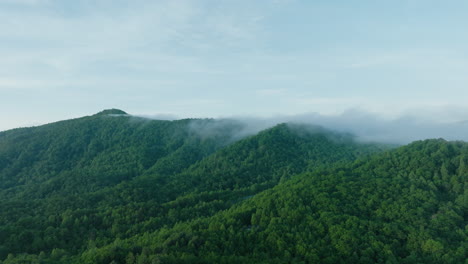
[(413, 125)]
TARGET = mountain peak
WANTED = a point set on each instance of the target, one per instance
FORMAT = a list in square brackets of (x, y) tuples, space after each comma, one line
[(112, 111)]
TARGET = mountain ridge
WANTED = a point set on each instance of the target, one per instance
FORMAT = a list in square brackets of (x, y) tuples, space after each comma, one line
[(115, 188)]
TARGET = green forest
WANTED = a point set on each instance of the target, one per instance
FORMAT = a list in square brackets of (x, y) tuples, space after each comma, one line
[(112, 188)]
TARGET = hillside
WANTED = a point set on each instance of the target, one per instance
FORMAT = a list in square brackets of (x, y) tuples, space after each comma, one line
[(87, 183), (89, 153), (409, 205)]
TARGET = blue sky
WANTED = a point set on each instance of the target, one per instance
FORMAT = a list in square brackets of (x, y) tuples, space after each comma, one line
[(216, 58)]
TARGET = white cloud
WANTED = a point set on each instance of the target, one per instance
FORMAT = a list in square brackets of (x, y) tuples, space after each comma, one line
[(145, 37), (24, 2), (213, 58), (271, 92), (370, 126)]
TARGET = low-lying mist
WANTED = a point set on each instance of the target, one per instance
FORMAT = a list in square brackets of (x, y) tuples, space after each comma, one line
[(366, 126)]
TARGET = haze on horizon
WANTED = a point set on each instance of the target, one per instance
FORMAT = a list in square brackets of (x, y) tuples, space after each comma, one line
[(367, 65)]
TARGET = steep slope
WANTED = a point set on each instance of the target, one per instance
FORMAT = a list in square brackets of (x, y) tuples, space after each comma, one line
[(261, 161), (409, 205), (89, 153), (49, 171), (175, 185), (230, 175)]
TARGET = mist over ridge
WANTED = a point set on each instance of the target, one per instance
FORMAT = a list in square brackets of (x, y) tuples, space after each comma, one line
[(447, 123), (130, 181), (364, 125)]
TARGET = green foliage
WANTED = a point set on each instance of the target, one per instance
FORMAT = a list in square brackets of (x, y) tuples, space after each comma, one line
[(111, 188), (387, 209)]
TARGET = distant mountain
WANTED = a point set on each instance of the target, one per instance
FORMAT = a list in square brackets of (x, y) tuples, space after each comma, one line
[(113, 188), (112, 112)]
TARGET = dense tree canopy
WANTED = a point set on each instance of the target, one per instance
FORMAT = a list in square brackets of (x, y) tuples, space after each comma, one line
[(112, 188)]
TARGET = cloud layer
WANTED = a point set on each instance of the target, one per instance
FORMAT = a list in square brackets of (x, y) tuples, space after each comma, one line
[(205, 58), (366, 126)]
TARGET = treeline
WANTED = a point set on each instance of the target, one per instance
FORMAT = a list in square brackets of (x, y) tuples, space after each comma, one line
[(112, 188)]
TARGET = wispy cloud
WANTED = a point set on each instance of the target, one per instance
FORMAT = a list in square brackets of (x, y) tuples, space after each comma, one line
[(418, 124), (145, 37), (271, 92), (24, 2), (448, 122), (212, 58)]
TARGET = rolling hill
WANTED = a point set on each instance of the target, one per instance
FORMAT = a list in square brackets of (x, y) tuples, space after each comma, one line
[(114, 188)]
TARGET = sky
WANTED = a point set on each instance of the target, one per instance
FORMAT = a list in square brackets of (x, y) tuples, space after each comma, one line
[(387, 60)]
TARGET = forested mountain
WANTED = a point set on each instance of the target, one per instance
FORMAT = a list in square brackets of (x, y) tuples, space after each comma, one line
[(113, 188), (89, 153), (405, 206)]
